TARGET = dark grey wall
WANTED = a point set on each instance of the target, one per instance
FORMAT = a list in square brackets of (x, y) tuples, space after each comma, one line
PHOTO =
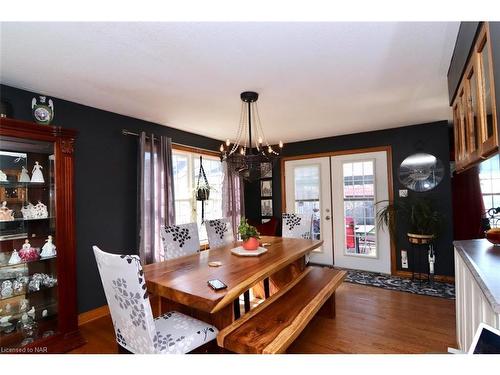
[(432, 138), (105, 180)]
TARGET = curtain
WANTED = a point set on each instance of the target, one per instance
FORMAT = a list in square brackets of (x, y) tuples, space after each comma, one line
[(468, 205), (156, 194), (233, 202)]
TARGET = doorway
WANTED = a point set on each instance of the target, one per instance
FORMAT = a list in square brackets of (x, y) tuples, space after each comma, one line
[(340, 191)]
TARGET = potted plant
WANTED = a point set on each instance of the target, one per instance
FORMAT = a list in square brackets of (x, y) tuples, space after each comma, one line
[(202, 192), (420, 215), (249, 235)]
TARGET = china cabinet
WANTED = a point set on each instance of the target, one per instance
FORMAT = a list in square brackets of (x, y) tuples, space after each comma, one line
[(474, 106), (38, 311)]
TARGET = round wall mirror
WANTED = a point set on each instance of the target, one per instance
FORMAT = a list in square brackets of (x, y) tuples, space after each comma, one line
[(421, 172)]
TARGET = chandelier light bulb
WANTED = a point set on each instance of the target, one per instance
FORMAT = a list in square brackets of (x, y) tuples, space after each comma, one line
[(228, 142), (221, 148), (260, 140), (269, 149), (281, 144), (242, 151)]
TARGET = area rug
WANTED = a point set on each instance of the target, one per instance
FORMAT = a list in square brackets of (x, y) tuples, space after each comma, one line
[(380, 280)]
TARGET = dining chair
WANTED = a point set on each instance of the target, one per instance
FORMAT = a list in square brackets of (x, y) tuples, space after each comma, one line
[(136, 330), (219, 232), (180, 240), (296, 225)]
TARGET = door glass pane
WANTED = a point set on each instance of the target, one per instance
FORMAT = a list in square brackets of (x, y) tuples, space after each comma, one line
[(359, 208), (485, 69), (474, 118), (307, 180)]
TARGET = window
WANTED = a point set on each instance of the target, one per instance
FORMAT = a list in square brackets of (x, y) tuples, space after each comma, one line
[(307, 194), (359, 208), (489, 177), (186, 166)]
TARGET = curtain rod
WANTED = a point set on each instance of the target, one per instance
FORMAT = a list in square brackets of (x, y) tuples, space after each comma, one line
[(128, 132)]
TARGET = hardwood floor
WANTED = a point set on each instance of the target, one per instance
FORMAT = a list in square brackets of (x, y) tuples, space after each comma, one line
[(368, 320)]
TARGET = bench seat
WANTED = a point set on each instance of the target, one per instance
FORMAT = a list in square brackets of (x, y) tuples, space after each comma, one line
[(273, 325)]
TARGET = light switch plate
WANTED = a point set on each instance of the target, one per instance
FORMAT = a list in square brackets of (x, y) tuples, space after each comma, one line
[(404, 259), (403, 193)]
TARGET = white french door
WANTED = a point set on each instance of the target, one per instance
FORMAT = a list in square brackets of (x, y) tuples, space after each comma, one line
[(340, 192), (305, 182), (358, 182)]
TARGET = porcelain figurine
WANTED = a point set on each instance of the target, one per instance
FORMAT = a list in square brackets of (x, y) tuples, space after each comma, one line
[(48, 250), (28, 253), (5, 325), (24, 176), (3, 176), (39, 211), (23, 305), (8, 308), (28, 327), (36, 174), (28, 211), (6, 289), (32, 312), (15, 258), (5, 213), (18, 287)]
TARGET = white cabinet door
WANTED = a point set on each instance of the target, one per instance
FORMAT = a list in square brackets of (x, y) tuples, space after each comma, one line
[(472, 307)]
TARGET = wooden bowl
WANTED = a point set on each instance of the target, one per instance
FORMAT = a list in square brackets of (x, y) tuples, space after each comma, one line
[(493, 237)]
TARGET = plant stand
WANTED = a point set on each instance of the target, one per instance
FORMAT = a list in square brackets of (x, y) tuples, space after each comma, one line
[(420, 244)]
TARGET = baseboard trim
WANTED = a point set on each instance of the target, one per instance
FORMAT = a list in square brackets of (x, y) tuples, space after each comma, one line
[(94, 314)]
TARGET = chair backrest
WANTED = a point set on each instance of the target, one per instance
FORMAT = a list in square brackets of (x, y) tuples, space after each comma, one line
[(296, 225), (125, 288), (219, 232), (180, 240), (268, 228)]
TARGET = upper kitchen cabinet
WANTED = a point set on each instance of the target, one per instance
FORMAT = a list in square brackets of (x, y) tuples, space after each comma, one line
[(473, 96), (489, 127)]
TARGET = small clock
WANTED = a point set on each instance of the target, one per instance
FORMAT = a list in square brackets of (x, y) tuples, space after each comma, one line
[(43, 110)]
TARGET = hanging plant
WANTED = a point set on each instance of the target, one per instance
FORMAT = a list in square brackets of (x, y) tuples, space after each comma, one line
[(202, 191)]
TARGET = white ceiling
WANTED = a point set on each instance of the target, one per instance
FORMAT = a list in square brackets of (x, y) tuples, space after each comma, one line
[(314, 79)]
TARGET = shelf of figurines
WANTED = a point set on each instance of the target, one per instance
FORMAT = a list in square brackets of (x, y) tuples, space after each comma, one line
[(25, 285), (23, 325), (29, 212), (20, 184), (28, 254)]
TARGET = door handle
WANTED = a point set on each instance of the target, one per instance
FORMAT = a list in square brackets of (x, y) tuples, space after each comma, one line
[(327, 217)]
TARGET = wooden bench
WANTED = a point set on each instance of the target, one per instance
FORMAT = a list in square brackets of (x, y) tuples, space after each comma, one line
[(273, 325)]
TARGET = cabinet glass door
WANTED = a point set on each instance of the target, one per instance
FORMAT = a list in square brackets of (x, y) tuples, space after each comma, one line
[(472, 117), (489, 123), (28, 268), (462, 123)]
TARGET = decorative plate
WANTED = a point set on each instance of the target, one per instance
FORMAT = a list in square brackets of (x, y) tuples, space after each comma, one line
[(240, 251)]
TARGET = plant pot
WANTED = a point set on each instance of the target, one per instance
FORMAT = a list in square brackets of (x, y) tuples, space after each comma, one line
[(202, 194), (251, 244), (420, 238)]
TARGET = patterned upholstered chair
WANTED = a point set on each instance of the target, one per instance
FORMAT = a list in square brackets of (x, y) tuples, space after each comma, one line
[(135, 328), (180, 240), (219, 232), (296, 225)]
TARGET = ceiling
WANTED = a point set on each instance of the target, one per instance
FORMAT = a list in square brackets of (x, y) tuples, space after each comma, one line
[(314, 79)]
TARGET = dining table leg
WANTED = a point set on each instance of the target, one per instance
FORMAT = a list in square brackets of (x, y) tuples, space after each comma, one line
[(224, 317)]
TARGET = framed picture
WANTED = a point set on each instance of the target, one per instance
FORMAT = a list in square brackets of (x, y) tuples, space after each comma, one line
[(266, 188), (266, 207), (267, 167)]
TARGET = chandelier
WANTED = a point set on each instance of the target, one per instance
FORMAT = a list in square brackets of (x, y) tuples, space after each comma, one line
[(250, 155)]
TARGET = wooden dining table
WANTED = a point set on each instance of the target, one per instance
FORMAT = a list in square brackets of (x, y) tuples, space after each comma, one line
[(181, 283)]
